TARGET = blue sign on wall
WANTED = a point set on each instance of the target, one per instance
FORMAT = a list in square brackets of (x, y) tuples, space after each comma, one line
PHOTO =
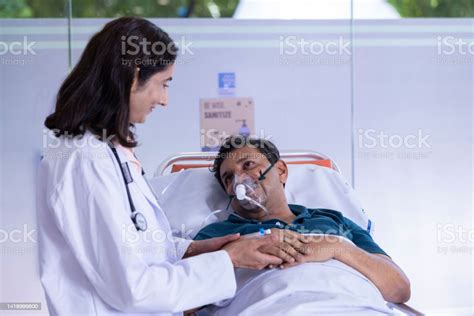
[(226, 83)]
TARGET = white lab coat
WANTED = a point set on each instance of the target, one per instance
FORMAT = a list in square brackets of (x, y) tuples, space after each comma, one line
[(92, 259)]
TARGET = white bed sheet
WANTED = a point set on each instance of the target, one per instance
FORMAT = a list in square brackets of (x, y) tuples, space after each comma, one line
[(327, 288)]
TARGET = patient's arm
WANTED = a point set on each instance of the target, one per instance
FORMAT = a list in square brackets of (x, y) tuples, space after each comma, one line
[(378, 268)]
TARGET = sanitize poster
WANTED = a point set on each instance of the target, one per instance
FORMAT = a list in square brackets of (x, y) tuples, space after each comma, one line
[(222, 117)]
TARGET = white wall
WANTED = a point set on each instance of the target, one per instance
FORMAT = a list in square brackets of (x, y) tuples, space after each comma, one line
[(417, 196), (26, 96), (401, 85)]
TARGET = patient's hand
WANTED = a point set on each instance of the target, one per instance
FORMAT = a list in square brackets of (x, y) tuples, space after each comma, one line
[(317, 248), (287, 247), (321, 248), (258, 253)]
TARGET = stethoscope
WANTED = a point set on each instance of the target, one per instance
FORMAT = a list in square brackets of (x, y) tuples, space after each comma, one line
[(138, 218)]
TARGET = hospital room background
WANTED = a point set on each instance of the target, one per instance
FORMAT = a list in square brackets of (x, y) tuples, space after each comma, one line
[(385, 92)]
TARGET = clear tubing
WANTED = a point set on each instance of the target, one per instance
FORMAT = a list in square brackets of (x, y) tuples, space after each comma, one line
[(245, 190)]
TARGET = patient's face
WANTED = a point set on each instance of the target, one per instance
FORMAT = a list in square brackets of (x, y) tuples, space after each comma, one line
[(247, 163)]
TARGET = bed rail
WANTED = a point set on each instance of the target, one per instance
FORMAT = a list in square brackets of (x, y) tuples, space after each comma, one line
[(208, 157)]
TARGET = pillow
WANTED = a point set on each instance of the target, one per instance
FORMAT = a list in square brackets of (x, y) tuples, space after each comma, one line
[(192, 198), (318, 187), (189, 198)]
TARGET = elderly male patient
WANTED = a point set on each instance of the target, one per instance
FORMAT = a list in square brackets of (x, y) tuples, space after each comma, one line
[(255, 164)]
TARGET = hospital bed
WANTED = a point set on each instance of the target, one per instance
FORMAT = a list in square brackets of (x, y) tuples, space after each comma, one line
[(192, 198)]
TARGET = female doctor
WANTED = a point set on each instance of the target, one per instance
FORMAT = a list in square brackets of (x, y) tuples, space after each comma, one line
[(105, 246)]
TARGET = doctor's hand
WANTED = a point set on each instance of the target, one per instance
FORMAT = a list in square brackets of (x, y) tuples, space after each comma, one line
[(198, 247), (257, 253)]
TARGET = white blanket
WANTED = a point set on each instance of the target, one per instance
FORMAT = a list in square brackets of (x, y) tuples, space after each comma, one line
[(328, 288)]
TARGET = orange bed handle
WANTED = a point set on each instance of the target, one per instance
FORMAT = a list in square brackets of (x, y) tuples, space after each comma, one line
[(323, 162)]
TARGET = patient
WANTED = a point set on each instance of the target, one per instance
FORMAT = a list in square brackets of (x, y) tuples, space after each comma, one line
[(338, 242)]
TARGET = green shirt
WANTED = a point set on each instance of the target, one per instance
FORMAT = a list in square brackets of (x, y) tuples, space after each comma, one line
[(307, 221)]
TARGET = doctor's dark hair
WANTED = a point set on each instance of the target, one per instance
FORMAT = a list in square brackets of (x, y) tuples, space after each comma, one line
[(96, 94), (231, 143)]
